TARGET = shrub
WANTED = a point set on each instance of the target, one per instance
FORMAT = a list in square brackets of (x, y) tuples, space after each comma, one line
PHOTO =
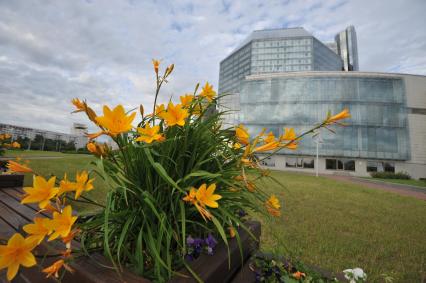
[(391, 175)]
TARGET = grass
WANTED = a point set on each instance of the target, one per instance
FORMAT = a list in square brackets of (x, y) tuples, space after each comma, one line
[(324, 222), (417, 183), (35, 153), (337, 225)]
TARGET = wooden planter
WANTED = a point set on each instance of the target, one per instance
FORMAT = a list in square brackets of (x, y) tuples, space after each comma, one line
[(11, 180), (93, 269)]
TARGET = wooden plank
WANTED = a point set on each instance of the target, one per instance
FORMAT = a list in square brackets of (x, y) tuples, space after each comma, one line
[(23, 210), (17, 194)]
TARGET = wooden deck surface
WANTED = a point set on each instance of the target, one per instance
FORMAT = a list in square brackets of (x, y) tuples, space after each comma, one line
[(14, 215)]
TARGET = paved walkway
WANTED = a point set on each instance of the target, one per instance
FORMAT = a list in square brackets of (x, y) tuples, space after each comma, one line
[(405, 190)]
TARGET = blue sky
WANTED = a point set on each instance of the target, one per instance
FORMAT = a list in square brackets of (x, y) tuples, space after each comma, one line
[(52, 51)]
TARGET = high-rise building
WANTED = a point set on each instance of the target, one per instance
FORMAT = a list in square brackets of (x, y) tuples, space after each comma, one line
[(271, 90), (347, 48), (274, 51)]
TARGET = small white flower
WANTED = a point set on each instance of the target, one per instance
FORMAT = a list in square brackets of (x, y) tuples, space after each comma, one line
[(355, 275)]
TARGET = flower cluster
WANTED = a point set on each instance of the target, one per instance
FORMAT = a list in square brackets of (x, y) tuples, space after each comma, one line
[(51, 196), (6, 142), (195, 246)]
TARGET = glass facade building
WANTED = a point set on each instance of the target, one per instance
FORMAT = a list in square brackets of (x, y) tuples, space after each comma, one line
[(377, 129), (274, 51), (347, 48)]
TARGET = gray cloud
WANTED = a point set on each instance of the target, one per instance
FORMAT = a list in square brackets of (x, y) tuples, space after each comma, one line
[(52, 51)]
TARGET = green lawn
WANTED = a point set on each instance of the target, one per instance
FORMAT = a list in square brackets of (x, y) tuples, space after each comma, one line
[(418, 183), (35, 153), (339, 225), (324, 222)]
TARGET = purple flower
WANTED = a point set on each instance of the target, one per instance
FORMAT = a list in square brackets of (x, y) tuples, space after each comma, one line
[(189, 240), (211, 241), (242, 213)]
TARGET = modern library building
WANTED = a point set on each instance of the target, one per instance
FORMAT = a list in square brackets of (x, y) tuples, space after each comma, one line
[(387, 130)]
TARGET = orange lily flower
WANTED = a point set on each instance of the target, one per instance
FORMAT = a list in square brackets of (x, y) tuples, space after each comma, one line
[(186, 100), (289, 137), (17, 252), (242, 134), (150, 134), (156, 64), (342, 115), (115, 121), (41, 192), (273, 206), (79, 105), (54, 268), (83, 184), (208, 92), (61, 223), (18, 168), (175, 115), (16, 145), (91, 147), (206, 196), (297, 275), (267, 147), (37, 230)]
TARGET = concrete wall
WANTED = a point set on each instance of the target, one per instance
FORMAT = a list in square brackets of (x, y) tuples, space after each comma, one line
[(415, 170)]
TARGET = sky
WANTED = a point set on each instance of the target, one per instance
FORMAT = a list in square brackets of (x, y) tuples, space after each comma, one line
[(101, 51)]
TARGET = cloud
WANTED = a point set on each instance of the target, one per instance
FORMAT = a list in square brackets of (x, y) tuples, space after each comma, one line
[(52, 51)]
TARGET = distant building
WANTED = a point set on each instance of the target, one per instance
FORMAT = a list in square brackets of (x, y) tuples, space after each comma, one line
[(77, 137), (275, 51), (288, 78), (347, 48)]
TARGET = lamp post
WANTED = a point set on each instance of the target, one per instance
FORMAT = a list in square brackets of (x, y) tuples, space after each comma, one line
[(317, 138)]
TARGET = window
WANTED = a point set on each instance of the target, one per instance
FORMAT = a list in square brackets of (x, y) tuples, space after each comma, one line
[(299, 162), (290, 162), (308, 163), (371, 166), (379, 166), (330, 164), (340, 164)]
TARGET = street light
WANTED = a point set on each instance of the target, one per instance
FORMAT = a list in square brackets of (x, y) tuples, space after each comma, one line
[(317, 139)]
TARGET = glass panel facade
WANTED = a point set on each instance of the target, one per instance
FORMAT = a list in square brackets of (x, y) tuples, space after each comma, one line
[(377, 129), (273, 55)]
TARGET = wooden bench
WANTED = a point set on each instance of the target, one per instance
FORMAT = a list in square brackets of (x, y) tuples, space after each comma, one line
[(14, 215)]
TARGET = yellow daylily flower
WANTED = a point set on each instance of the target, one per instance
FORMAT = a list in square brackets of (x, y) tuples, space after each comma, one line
[(66, 186), (269, 138), (160, 110), (342, 115), (83, 184), (91, 147), (54, 268), (97, 149), (267, 147), (289, 138), (17, 252), (79, 105), (208, 92), (206, 197), (203, 197), (18, 168), (115, 121), (61, 223), (41, 191), (37, 230), (156, 64), (186, 100), (273, 206), (175, 115), (149, 134), (242, 134), (16, 145)]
